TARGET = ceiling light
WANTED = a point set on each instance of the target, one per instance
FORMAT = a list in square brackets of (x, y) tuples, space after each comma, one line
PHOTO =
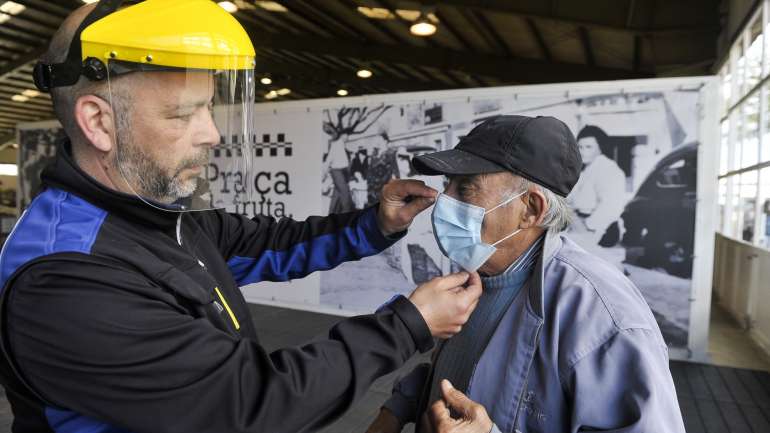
[(89, 1), (31, 93), (342, 92), (272, 6), (408, 14), (9, 170), (12, 8), (364, 73), (413, 15), (266, 81), (245, 4), (376, 13), (4, 17), (228, 6), (271, 94), (423, 27), (20, 98), (283, 92)]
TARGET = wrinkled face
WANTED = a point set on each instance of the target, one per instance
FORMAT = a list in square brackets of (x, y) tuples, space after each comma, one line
[(589, 149), (488, 191), (165, 134)]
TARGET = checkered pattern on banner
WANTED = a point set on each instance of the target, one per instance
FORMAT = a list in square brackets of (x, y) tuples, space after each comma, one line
[(268, 146)]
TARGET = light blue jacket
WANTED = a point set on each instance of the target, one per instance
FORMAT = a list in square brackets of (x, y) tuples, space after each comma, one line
[(578, 350)]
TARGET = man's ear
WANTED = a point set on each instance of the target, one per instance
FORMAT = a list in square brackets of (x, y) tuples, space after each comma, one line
[(94, 117), (537, 206)]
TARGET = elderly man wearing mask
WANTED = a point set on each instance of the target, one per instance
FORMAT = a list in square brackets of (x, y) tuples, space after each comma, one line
[(560, 341)]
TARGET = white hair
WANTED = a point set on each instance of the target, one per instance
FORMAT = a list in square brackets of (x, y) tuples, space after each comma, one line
[(558, 215)]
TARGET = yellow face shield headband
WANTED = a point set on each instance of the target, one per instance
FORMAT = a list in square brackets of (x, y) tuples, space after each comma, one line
[(151, 35)]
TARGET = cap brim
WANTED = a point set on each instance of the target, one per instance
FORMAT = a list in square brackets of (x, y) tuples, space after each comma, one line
[(453, 162)]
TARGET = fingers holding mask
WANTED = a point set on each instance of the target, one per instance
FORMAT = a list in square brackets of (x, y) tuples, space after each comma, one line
[(401, 201), (447, 302)]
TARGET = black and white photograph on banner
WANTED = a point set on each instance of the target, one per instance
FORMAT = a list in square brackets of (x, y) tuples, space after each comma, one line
[(634, 205), (37, 147), (367, 147)]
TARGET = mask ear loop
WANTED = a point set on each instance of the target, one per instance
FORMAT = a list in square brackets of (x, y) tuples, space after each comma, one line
[(515, 232), (510, 235), (506, 202)]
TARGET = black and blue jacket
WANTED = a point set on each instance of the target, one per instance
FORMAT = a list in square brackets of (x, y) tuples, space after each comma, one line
[(118, 317)]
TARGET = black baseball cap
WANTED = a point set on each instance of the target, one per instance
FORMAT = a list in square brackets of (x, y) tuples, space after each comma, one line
[(540, 149)]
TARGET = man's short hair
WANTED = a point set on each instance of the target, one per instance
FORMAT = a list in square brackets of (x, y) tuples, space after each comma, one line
[(64, 98)]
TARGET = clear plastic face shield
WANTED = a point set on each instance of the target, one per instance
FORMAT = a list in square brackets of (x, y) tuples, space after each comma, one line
[(178, 77), (183, 138)]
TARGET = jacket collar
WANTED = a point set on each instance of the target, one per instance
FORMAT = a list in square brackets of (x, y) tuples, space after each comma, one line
[(64, 173), (551, 246)]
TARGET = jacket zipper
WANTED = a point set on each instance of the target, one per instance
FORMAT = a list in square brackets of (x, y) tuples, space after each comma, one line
[(216, 289), (227, 307), (179, 229)]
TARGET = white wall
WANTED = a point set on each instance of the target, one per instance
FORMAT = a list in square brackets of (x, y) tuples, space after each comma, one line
[(742, 285)]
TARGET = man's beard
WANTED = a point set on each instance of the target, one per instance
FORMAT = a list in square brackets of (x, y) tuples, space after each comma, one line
[(147, 178)]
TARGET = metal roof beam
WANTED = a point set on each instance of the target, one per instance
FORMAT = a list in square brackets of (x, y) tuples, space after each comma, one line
[(9, 68), (546, 52), (588, 50), (507, 69), (511, 8), (326, 75)]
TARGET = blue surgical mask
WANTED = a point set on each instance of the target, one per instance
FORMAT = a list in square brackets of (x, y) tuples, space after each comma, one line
[(457, 228)]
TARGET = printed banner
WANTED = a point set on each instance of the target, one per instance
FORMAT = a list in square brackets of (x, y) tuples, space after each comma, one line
[(634, 206)]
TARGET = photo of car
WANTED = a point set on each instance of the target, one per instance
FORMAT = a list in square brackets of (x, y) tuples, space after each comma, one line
[(659, 219)]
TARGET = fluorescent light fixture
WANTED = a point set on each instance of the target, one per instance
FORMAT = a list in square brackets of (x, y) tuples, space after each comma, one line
[(228, 6), (266, 81), (9, 170), (283, 92), (271, 94), (364, 73), (88, 2), (12, 8), (31, 93), (20, 98), (342, 92), (271, 6), (4, 17)]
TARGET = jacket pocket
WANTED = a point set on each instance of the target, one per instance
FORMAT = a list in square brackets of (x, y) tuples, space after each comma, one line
[(195, 288)]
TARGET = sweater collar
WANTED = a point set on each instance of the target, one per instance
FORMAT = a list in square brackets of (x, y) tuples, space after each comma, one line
[(519, 270)]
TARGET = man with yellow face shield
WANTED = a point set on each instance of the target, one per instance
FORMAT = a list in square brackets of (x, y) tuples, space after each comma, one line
[(120, 309)]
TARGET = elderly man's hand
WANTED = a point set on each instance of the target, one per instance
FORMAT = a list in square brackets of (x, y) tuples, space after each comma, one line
[(447, 302), (400, 202), (473, 416)]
